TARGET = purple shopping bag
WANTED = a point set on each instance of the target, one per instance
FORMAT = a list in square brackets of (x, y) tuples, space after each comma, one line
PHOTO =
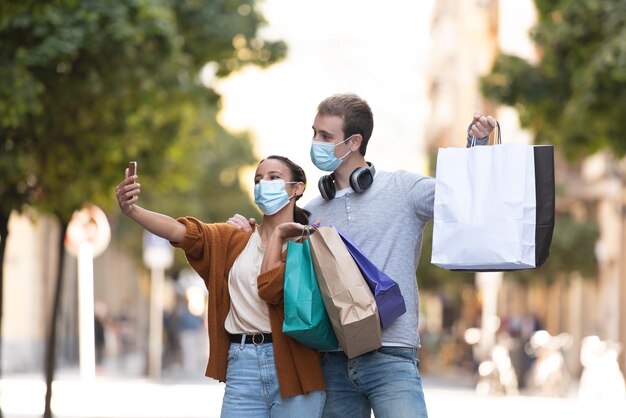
[(386, 291)]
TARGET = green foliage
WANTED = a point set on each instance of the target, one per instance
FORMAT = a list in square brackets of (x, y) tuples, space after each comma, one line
[(209, 187), (87, 85), (575, 96), (233, 24)]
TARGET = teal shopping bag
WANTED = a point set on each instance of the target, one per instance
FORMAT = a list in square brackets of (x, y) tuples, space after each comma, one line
[(306, 319)]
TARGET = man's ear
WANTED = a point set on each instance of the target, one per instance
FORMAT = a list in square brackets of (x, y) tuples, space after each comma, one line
[(355, 142)]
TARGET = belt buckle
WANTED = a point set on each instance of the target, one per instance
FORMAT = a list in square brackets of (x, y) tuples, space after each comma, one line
[(254, 341)]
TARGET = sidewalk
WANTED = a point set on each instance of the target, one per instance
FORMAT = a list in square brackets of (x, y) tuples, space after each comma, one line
[(22, 396)]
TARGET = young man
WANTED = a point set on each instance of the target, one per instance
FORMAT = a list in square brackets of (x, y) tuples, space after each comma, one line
[(384, 213)]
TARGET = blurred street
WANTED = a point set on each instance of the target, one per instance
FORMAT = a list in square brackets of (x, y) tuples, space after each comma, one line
[(22, 396), (193, 93)]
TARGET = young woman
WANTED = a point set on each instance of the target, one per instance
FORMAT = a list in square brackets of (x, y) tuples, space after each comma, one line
[(267, 373)]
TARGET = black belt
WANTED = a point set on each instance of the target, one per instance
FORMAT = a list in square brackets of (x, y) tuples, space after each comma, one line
[(251, 338)]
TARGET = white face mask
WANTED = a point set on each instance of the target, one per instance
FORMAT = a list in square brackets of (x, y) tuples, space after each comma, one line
[(323, 155)]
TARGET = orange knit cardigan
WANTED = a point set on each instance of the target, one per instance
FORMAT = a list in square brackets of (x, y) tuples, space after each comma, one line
[(211, 250)]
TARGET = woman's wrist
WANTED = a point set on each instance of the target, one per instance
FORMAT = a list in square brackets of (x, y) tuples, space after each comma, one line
[(280, 233)]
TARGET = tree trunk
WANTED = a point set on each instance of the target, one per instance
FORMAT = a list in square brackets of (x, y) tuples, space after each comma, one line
[(50, 360), (4, 234)]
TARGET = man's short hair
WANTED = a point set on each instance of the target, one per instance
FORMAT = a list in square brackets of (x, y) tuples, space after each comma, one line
[(356, 115)]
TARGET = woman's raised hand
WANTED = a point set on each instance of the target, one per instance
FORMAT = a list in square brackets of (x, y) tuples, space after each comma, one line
[(127, 193)]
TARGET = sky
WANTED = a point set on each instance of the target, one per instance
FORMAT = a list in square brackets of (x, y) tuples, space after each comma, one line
[(378, 50)]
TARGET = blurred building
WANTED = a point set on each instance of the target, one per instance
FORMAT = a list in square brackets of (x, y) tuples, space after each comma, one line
[(27, 291), (121, 292), (466, 36), (122, 308)]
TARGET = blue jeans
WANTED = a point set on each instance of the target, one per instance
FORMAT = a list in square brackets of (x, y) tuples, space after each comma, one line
[(386, 381), (252, 387)]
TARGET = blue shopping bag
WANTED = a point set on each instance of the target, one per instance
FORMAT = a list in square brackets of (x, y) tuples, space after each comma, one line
[(306, 319), (386, 291)]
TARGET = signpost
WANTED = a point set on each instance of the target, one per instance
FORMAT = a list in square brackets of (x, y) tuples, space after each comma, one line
[(88, 235), (158, 255), (489, 284)]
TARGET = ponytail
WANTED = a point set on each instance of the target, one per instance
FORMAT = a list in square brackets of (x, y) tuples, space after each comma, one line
[(301, 215)]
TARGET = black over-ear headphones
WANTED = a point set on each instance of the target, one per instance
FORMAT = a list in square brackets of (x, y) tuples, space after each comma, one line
[(360, 180)]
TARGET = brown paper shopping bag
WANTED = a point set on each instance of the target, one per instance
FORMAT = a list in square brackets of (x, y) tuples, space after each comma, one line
[(347, 297)]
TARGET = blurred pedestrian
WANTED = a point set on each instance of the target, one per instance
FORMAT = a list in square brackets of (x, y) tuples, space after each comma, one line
[(100, 330), (264, 369), (192, 337), (172, 352), (100, 340)]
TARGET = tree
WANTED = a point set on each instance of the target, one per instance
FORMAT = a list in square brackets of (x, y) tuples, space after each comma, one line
[(575, 98), (87, 85), (575, 95)]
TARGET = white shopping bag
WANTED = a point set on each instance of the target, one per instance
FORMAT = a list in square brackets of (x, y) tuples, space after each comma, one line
[(485, 214)]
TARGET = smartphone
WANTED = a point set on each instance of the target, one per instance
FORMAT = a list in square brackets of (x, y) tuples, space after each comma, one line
[(132, 168)]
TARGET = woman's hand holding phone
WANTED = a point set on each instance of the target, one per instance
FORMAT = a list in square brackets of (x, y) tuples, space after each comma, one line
[(127, 192)]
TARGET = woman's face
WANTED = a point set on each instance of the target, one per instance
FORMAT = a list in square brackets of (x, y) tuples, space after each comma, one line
[(272, 169)]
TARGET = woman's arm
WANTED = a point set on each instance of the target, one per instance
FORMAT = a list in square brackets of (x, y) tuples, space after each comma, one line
[(274, 249), (270, 281), (127, 194)]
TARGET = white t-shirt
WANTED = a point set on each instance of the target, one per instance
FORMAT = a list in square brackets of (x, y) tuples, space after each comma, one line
[(248, 313)]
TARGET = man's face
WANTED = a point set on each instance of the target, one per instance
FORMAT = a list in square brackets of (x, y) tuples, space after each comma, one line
[(328, 128), (329, 148)]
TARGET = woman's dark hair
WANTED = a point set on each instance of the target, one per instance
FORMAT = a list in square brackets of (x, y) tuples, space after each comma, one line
[(297, 174)]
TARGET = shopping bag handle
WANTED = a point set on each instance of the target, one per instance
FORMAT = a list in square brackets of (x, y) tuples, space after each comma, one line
[(306, 230), (498, 138)]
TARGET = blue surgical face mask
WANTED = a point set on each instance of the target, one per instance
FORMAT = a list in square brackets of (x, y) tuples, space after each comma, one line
[(271, 196), (323, 155)]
